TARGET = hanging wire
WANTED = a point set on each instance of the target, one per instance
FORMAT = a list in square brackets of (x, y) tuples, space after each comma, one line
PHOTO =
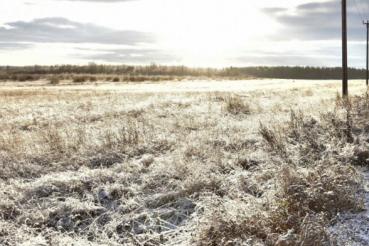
[(367, 4), (358, 11), (362, 6)]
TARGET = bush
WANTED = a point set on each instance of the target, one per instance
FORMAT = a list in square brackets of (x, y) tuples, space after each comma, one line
[(141, 78), (22, 78), (155, 78), (93, 79), (116, 79), (14, 77), (54, 80), (26, 77), (132, 78), (79, 79), (3, 77)]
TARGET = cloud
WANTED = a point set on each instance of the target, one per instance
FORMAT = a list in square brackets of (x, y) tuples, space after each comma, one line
[(319, 6), (62, 30), (131, 56), (312, 53), (36, 33), (316, 21), (14, 46)]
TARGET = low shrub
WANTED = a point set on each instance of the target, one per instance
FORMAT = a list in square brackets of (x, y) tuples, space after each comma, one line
[(93, 79), (54, 80), (79, 79), (4, 77), (132, 78), (141, 78), (27, 77)]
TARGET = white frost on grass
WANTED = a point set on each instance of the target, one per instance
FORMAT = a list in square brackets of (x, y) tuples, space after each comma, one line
[(353, 228)]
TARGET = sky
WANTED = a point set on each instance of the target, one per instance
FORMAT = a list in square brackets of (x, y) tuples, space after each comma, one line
[(206, 33)]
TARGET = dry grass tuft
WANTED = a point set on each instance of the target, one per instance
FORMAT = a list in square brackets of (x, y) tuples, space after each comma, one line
[(235, 105)]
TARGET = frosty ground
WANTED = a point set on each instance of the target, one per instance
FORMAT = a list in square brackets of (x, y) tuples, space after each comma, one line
[(253, 162)]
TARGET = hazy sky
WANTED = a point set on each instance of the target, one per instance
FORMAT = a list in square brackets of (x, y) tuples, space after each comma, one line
[(213, 33)]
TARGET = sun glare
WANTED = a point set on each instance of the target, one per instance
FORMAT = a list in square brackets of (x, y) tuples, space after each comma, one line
[(213, 29)]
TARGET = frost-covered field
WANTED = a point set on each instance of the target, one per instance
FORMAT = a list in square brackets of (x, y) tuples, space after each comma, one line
[(254, 162)]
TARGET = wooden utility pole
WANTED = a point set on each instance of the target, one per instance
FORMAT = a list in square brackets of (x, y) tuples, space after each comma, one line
[(344, 49), (367, 50)]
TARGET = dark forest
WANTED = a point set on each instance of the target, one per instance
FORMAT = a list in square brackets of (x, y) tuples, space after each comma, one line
[(278, 72)]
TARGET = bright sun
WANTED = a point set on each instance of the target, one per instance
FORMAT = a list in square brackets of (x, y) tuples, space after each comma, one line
[(209, 30)]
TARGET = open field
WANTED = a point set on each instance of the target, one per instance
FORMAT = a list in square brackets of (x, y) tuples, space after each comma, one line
[(250, 162), (188, 86)]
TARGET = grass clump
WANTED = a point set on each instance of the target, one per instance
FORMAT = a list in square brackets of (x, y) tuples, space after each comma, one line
[(235, 105)]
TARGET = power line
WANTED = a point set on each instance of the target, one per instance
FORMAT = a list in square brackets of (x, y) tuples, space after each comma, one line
[(361, 2), (358, 11), (357, 8)]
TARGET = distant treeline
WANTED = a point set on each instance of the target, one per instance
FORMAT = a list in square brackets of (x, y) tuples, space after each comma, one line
[(281, 72)]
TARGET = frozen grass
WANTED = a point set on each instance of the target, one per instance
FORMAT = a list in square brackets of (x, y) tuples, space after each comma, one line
[(223, 166)]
